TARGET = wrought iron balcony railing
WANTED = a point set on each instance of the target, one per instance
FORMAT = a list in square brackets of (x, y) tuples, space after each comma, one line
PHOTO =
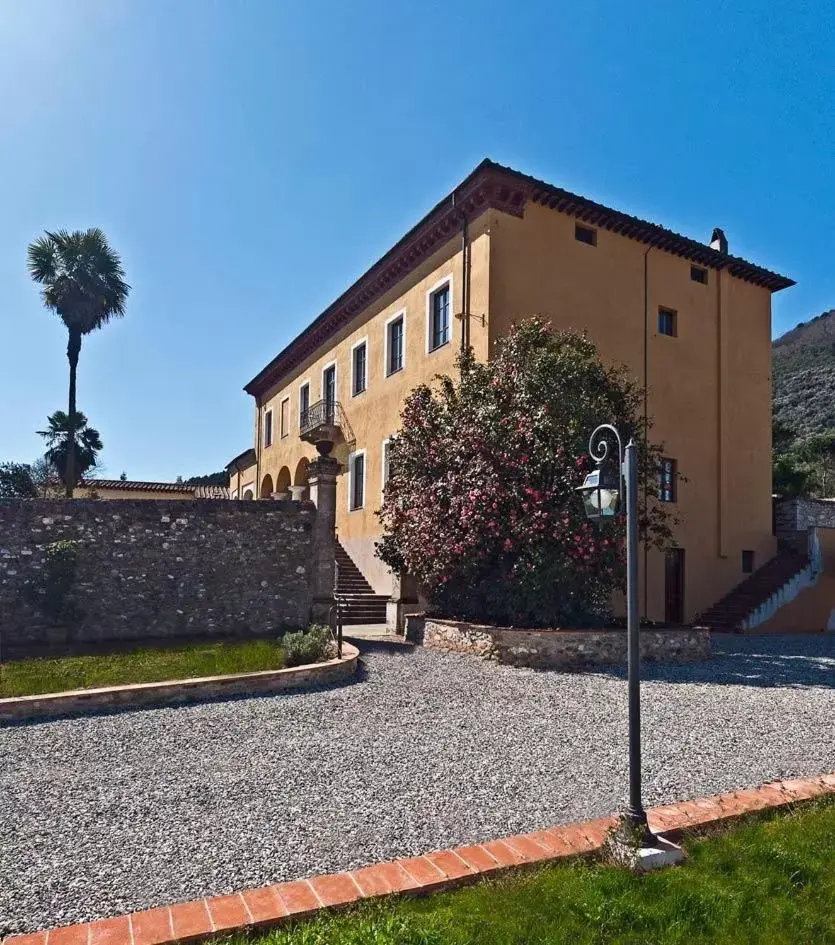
[(325, 425), (324, 413)]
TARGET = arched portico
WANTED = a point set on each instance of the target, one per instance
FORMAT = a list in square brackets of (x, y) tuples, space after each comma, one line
[(282, 484)]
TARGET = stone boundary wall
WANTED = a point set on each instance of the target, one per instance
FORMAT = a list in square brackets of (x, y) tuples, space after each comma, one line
[(801, 514), (794, 518), (181, 691), (155, 568), (563, 649)]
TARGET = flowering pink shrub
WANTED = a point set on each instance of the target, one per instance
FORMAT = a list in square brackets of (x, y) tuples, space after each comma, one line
[(480, 505)]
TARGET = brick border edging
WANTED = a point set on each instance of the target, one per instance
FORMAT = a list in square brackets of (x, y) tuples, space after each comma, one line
[(269, 906), (179, 691)]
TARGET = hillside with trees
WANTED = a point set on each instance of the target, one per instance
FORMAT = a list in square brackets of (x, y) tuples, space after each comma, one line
[(804, 376), (804, 408), (212, 479)]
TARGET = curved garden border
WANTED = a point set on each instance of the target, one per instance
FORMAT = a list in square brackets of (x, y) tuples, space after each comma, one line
[(180, 691)]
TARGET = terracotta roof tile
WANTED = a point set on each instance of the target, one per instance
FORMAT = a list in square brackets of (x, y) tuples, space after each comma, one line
[(131, 485)]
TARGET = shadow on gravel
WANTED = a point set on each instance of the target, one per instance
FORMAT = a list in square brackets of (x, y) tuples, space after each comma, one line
[(380, 646), (797, 661)]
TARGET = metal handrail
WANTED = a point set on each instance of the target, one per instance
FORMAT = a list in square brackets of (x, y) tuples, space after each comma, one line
[(327, 413), (337, 612), (323, 412)]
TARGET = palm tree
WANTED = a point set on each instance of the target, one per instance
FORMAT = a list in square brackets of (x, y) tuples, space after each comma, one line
[(86, 446), (83, 283)]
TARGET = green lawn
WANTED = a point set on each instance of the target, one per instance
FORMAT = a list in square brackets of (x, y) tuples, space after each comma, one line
[(146, 664), (771, 881)]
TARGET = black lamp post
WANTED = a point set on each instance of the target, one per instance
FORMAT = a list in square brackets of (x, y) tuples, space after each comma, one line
[(602, 490)]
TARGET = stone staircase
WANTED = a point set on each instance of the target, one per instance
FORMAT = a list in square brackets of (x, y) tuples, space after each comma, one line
[(760, 595), (359, 602)]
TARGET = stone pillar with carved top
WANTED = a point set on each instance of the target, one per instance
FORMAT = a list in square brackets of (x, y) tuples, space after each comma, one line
[(322, 473)]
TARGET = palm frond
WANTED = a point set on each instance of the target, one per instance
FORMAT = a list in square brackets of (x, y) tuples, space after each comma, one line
[(42, 259), (82, 275), (86, 445)]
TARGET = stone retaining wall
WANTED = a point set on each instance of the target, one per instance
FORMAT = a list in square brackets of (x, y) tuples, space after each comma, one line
[(563, 649), (799, 515), (155, 568), (796, 519)]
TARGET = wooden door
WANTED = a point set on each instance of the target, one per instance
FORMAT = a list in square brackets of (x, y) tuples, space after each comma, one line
[(674, 586)]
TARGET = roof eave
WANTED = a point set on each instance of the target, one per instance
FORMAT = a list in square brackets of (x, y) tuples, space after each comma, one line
[(490, 185), (235, 462)]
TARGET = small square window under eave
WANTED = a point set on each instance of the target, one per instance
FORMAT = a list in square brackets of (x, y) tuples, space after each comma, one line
[(698, 274), (585, 234)]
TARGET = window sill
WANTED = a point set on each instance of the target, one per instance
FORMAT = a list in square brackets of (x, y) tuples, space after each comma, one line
[(359, 393), (356, 508), (392, 373), (438, 347)]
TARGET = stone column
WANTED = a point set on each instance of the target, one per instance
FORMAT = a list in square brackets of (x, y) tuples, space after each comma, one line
[(404, 600), (322, 473)]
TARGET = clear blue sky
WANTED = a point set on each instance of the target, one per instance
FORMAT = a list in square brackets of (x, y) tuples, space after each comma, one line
[(249, 158)]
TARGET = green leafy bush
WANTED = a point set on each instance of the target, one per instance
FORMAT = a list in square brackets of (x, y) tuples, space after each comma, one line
[(313, 645)]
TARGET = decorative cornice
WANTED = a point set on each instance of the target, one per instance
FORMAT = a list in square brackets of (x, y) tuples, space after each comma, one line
[(489, 186)]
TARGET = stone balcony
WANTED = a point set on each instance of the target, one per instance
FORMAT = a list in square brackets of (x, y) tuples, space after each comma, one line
[(325, 425)]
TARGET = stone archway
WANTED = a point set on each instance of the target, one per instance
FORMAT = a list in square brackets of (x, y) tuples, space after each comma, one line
[(282, 483), (266, 487), (248, 494), (300, 489)]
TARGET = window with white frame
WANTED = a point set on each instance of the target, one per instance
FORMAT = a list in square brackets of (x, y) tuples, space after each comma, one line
[(356, 480), (385, 465), (359, 368), (329, 384), (304, 403), (268, 428), (439, 317), (284, 418), (395, 339)]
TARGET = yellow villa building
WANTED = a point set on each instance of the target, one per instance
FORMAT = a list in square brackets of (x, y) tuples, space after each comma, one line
[(691, 321)]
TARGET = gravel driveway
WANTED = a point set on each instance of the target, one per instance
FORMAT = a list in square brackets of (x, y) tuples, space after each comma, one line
[(112, 813)]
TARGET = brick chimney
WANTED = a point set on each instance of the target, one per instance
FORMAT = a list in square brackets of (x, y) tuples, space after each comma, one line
[(719, 240)]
